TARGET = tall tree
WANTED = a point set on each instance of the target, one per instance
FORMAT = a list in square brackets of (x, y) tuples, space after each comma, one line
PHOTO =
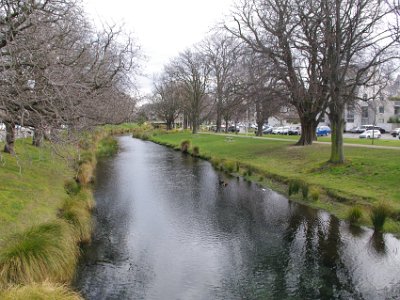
[(191, 69)]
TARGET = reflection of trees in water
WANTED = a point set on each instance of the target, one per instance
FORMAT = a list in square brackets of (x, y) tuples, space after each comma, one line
[(313, 257)]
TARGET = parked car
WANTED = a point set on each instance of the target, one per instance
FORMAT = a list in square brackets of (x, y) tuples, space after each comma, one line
[(357, 129), (266, 130), (323, 130), (370, 127), (395, 132), (370, 134), (233, 129), (276, 130), (294, 130)]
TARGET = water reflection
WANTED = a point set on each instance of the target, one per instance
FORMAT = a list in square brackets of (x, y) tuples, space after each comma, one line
[(167, 229)]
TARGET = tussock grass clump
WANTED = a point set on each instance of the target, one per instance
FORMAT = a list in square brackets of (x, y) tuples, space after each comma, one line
[(216, 162), (304, 191), (229, 166), (297, 185), (354, 214), (40, 291), (45, 252), (107, 146), (314, 194), (85, 174), (185, 146), (72, 187), (196, 151), (77, 213), (379, 213), (294, 186)]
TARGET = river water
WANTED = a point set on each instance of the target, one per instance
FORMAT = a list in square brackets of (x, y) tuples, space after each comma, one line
[(165, 228)]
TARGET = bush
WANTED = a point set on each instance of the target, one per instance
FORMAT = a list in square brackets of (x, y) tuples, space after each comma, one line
[(45, 252), (72, 187), (185, 145), (379, 213), (354, 214), (41, 291)]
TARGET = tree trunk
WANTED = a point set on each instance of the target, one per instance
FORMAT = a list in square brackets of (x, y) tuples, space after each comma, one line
[(185, 121), (219, 117), (226, 125), (38, 137), (308, 135), (10, 137), (260, 124), (337, 125)]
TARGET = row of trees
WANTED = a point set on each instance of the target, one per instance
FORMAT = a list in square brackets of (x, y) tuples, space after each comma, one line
[(57, 71), (310, 55)]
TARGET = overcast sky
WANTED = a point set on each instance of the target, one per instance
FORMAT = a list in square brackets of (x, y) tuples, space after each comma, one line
[(163, 28)]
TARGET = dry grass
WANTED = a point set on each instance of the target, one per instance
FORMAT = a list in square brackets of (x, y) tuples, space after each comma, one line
[(45, 252), (42, 291)]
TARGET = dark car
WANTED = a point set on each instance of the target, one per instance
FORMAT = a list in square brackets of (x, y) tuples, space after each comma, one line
[(357, 129), (395, 132), (371, 127), (233, 129)]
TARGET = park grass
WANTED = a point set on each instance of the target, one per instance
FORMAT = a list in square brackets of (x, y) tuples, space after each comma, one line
[(369, 176), (45, 213), (32, 186)]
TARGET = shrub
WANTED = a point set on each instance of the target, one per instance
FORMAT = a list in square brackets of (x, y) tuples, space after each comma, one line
[(354, 214), (42, 291), (48, 251), (196, 151), (72, 187), (379, 213), (185, 145)]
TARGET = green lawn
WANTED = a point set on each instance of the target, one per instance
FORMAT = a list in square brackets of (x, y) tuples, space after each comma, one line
[(368, 176), (31, 187)]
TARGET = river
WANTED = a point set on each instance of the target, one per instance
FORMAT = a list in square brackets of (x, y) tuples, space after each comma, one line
[(166, 228)]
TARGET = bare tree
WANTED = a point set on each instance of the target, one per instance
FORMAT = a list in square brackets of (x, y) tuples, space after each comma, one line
[(167, 102), (358, 43), (284, 32), (193, 72), (222, 54), (59, 71)]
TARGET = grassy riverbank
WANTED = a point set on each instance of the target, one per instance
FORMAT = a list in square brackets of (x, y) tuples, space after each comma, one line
[(369, 177), (45, 213)]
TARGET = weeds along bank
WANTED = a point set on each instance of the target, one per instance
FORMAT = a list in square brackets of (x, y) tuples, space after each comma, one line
[(45, 213), (364, 190)]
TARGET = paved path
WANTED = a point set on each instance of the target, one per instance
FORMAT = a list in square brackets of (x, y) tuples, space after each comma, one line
[(316, 142)]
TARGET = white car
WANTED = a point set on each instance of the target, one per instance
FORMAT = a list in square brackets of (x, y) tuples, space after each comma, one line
[(370, 134)]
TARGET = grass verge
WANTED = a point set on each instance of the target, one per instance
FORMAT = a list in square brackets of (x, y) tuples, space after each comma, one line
[(368, 176), (45, 213)]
